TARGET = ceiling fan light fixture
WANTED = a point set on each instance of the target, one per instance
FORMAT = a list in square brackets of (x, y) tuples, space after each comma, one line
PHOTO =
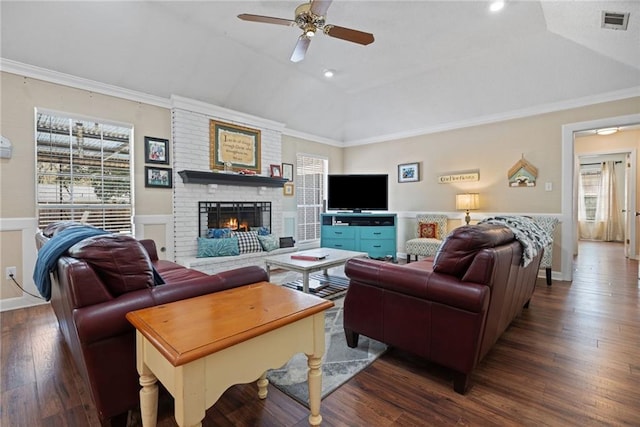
[(309, 30), (328, 73)]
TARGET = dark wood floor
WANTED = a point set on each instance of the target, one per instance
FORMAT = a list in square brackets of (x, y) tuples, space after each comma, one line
[(572, 358)]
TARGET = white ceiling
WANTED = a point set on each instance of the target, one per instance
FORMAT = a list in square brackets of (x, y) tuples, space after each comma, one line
[(433, 64)]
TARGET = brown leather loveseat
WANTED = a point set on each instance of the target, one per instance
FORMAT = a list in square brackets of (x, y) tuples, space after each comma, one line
[(450, 309), (97, 281)]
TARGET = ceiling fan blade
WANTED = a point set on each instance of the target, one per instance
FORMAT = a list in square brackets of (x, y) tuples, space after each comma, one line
[(267, 19), (348, 34), (300, 49), (319, 7)]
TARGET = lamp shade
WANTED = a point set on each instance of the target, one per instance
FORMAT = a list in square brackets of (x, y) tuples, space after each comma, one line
[(468, 201)]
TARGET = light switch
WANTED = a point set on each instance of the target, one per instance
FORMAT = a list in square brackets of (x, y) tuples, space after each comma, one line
[(548, 186)]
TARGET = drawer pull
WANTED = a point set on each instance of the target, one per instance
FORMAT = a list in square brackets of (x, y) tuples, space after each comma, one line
[(377, 246), (377, 233)]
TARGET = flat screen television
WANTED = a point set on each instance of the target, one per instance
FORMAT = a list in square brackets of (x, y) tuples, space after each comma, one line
[(358, 193)]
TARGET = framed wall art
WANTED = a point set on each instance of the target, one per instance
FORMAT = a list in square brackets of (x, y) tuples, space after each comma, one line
[(287, 171), (409, 172), (234, 144), (287, 189), (157, 177), (156, 150), (275, 171)]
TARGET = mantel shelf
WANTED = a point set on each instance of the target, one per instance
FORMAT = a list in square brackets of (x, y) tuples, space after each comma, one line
[(200, 177)]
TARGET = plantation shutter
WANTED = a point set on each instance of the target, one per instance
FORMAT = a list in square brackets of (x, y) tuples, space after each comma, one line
[(83, 172), (310, 180)]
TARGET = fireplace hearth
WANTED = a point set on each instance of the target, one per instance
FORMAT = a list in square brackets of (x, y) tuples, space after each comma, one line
[(238, 216)]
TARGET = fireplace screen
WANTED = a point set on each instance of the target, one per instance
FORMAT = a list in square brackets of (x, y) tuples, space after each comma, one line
[(238, 216)]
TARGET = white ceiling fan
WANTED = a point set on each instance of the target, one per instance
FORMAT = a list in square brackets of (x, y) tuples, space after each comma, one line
[(310, 17)]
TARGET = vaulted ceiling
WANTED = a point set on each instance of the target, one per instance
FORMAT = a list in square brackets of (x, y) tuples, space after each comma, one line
[(432, 65)]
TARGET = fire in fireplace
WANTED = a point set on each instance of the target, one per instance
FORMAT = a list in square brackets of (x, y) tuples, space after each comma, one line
[(238, 216)]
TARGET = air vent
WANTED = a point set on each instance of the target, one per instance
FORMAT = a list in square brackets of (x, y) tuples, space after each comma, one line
[(615, 20)]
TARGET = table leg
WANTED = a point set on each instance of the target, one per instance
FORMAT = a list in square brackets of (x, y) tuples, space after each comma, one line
[(305, 282), (148, 397), (314, 379), (268, 268), (263, 382)]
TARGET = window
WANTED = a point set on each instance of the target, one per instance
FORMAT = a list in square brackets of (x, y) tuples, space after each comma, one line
[(589, 187), (310, 180), (83, 172)]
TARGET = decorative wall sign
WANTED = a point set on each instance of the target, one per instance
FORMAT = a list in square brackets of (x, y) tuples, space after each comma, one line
[(459, 177), (522, 174), (233, 144)]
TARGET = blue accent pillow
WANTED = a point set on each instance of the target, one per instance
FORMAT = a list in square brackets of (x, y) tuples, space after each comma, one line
[(269, 242), (262, 231), (217, 247), (218, 233)]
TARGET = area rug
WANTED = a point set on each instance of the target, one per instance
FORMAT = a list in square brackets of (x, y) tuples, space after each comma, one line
[(339, 364), (322, 285)]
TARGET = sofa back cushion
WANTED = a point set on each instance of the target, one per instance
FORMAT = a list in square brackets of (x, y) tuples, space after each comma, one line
[(462, 245), (120, 261)]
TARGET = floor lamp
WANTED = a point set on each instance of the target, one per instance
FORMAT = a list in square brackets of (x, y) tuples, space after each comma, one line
[(467, 202)]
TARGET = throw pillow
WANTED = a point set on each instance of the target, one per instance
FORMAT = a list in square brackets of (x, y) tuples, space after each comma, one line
[(269, 243), (248, 241), (217, 247), (262, 231), (428, 230), (218, 233)]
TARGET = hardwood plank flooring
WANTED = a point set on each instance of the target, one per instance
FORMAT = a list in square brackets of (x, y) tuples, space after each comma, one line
[(572, 358)]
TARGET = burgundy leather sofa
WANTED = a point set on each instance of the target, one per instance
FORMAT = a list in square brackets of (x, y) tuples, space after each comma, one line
[(450, 309), (97, 282)]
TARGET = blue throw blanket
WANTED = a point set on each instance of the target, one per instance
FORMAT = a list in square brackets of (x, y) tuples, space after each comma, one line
[(53, 249), (530, 235)]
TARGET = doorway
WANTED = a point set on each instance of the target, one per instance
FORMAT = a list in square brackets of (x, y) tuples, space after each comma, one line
[(569, 188)]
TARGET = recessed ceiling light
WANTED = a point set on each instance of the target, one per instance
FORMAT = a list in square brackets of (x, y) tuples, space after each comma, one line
[(328, 73), (607, 131), (496, 5)]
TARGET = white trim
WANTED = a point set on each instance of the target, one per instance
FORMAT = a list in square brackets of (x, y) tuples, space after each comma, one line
[(200, 107), (56, 77), (509, 115), (28, 227), (312, 138), (569, 231)]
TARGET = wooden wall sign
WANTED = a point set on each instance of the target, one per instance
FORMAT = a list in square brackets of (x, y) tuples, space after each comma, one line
[(522, 174), (237, 145), (460, 177)]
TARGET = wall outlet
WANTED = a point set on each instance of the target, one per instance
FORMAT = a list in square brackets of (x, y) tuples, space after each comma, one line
[(11, 271)]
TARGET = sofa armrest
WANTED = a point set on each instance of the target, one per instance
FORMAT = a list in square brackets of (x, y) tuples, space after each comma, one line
[(427, 285), (150, 246)]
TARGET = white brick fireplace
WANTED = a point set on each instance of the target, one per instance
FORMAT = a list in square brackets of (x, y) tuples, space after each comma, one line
[(190, 138)]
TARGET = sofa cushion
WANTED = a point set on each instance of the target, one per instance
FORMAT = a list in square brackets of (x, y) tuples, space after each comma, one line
[(248, 241), (217, 247), (120, 261), (428, 230), (461, 246), (269, 243)]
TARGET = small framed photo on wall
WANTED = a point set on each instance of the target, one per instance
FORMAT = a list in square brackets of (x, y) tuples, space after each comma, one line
[(157, 177), (287, 190), (287, 171), (275, 171), (156, 150), (409, 172)]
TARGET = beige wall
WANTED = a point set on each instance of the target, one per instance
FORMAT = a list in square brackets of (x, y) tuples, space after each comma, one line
[(492, 149)]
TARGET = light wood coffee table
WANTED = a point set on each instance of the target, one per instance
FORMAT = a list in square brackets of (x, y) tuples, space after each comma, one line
[(201, 346), (335, 258)]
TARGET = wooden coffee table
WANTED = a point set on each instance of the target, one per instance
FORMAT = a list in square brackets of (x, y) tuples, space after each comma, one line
[(201, 346), (335, 258)]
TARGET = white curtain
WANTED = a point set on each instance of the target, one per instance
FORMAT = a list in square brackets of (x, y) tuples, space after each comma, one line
[(607, 224)]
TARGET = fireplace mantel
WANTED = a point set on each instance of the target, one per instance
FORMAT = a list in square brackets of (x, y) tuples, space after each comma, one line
[(200, 177)]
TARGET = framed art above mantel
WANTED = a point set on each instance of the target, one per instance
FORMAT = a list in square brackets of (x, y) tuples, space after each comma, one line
[(233, 146)]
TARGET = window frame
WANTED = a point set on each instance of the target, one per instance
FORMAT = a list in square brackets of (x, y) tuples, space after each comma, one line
[(317, 205)]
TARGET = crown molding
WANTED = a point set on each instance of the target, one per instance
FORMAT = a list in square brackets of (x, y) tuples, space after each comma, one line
[(509, 115), (56, 77), (312, 138), (205, 108)]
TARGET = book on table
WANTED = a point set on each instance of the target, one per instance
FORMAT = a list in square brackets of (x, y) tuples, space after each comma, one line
[(312, 255)]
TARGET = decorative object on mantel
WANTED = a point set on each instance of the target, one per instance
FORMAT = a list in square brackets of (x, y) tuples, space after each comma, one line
[(233, 144), (409, 172), (287, 171), (287, 190), (522, 174), (156, 150), (200, 177), (470, 176), (275, 171), (467, 202)]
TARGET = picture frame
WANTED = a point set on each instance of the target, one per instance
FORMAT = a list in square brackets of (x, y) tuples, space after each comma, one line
[(156, 150), (287, 171), (409, 172), (236, 145), (288, 189), (276, 172), (158, 177)]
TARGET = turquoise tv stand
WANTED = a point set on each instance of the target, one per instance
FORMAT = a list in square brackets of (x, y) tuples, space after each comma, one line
[(375, 234)]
